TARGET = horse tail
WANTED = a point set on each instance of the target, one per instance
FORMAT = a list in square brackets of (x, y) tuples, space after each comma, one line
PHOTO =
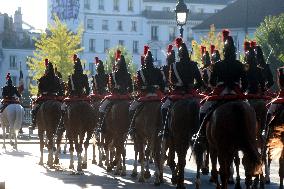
[(19, 117)]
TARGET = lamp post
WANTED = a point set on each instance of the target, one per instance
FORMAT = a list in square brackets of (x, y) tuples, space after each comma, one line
[(181, 15)]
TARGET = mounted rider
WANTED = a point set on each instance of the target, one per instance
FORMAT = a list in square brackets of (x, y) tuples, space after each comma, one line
[(181, 78), (171, 58), (206, 69), (120, 85), (100, 80), (150, 83), (215, 55), (9, 94), (48, 86), (228, 77)]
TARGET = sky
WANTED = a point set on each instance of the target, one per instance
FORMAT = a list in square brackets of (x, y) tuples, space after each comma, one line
[(34, 11)]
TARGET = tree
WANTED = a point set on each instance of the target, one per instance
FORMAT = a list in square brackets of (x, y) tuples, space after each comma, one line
[(270, 36), (110, 60), (206, 41), (58, 45)]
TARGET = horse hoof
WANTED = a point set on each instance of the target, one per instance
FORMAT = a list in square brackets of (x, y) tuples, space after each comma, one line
[(104, 157), (101, 164), (109, 169), (71, 166), (64, 152), (56, 161), (79, 169), (197, 183), (174, 180), (212, 179), (40, 163), (147, 175), (238, 186), (157, 183), (205, 171), (123, 173), (54, 149), (134, 174), (94, 162), (116, 172), (267, 180), (180, 187), (231, 182), (141, 179), (84, 166)]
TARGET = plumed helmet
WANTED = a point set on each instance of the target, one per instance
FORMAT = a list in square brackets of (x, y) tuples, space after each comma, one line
[(99, 65), (75, 56), (253, 44), (178, 42), (171, 57), (46, 62), (203, 49), (117, 55), (9, 80), (169, 50), (246, 46), (225, 34), (212, 49), (146, 48)]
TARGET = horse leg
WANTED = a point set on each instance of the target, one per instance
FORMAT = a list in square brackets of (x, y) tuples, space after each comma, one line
[(16, 140), (79, 149), (214, 171), (267, 168), (248, 175), (181, 165), (157, 161), (58, 142), (86, 145), (205, 166), (50, 148), (231, 178), (100, 147), (134, 171), (4, 136), (199, 162), (281, 169), (147, 174), (71, 150), (40, 134), (65, 145), (142, 157), (224, 171), (237, 164), (172, 165), (94, 152), (123, 172)]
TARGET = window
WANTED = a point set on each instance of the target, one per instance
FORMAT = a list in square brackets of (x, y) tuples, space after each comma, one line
[(116, 5), (172, 33), (148, 8), (106, 45), (166, 9), (154, 33), (130, 5), (135, 47), (119, 25), (105, 25), (13, 63), (92, 43), (87, 4), (133, 26), (90, 24), (121, 42), (101, 5), (91, 68)]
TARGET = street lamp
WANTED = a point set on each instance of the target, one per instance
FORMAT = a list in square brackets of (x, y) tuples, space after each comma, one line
[(181, 15)]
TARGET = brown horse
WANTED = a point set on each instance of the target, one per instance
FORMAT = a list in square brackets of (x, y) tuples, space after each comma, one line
[(233, 124), (147, 125), (184, 122), (115, 133), (79, 120), (47, 119)]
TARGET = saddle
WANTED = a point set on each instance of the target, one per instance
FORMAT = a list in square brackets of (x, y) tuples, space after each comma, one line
[(150, 98), (6, 102), (96, 97), (44, 98), (117, 97), (181, 95), (77, 99)]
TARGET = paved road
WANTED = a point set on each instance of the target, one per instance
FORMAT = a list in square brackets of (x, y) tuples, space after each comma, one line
[(19, 169)]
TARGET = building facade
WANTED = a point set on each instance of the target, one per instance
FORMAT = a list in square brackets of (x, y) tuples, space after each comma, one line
[(131, 23)]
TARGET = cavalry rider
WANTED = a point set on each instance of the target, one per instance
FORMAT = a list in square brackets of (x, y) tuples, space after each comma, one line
[(48, 85), (182, 76), (9, 92), (120, 84), (100, 80), (78, 84), (226, 76), (215, 55), (205, 70), (149, 83), (171, 58)]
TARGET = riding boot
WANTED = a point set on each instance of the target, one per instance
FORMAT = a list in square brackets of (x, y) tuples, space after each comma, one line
[(132, 123), (202, 131), (33, 119), (269, 119), (100, 122), (165, 127)]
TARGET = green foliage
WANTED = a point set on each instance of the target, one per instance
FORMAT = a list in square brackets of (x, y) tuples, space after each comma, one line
[(58, 45), (210, 39), (270, 36), (110, 60)]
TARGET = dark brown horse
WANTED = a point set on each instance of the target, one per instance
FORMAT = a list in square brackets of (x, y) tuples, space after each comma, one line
[(147, 125), (115, 133), (232, 128), (79, 120), (47, 120), (184, 122)]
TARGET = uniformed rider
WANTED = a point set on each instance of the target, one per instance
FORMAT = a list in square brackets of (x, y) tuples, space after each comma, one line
[(100, 80)]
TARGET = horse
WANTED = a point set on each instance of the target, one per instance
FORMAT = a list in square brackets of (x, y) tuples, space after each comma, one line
[(47, 120), (115, 133), (147, 125), (79, 120), (233, 123), (12, 118), (183, 123)]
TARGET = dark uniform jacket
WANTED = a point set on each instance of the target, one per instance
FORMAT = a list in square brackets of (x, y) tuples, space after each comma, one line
[(229, 74), (150, 79), (120, 82), (9, 92), (100, 84), (49, 85), (78, 85), (185, 76)]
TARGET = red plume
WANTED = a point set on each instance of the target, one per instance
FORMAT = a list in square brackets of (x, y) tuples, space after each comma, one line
[(8, 76), (225, 33), (75, 56), (170, 48), (146, 48), (212, 49), (203, 49), (142, 59), (97, 60), (246, 46), (178, 42), (46, 62), (252, 44), (117, 55)]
